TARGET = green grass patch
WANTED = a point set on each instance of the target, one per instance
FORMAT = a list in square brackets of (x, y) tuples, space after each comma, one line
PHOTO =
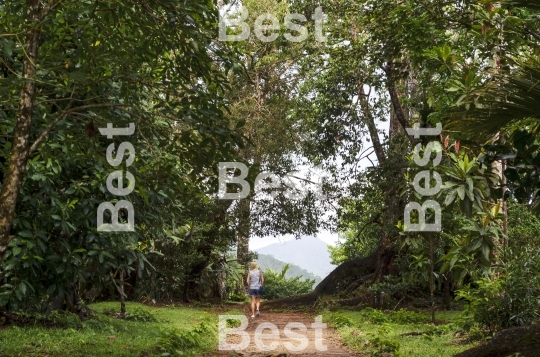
[(402, 333), (146, 331)]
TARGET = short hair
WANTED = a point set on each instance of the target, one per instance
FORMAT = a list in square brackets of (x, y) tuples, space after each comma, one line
[(253, 265)]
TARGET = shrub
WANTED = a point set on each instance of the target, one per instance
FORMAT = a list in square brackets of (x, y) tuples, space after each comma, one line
[(238, 297), (277, 286), (376, 317), (401, 316), (140, 315), (380, 344), (339, 320), (511, 300), (406, 317), (65, 319), (173, 342), (391, 289), (438, 330)]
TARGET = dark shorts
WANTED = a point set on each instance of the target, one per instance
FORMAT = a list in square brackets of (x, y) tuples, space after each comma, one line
[(254, 292)]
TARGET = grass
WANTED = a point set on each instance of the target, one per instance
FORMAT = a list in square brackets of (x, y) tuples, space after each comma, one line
[(374, 332), (147, 329), (106, 336)]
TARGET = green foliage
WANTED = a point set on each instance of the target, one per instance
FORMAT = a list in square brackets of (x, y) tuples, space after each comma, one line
[(438, 330), (120, 63), (57, 318), (266, 262), (340, 320), (277, 285), (380, 344), (174, 342), (467, 181), (522, 154), (523, 227), (476, 333), (391, 286), (377, 317), (103, 335), (233, 323), (512, 299), (400, 316), (140, 315), (239, 297), (359, 221), (380, 347), (417, 339)]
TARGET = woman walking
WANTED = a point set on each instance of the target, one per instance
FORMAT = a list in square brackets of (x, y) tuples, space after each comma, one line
[(255, 280)]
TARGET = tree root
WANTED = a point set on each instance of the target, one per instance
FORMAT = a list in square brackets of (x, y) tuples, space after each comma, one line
[(524, 340)]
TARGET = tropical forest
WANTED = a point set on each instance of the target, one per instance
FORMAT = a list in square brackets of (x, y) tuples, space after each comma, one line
[(270, 178)]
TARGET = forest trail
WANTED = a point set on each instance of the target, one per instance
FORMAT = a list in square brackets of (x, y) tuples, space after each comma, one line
[(330, 338)]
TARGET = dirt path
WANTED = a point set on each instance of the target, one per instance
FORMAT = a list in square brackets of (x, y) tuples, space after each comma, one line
[(327, 337)]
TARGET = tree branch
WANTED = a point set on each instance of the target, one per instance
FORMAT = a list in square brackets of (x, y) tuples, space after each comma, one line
[(61, 116)]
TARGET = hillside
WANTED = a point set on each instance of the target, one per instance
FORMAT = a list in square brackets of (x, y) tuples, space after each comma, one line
[(267, 261), (309, 253)]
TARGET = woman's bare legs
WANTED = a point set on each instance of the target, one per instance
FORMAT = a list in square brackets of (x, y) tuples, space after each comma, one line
[(258, 301), (253, 298)]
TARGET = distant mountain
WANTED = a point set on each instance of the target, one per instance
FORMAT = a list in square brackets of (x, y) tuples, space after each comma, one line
[(309, 253), (268, 261)]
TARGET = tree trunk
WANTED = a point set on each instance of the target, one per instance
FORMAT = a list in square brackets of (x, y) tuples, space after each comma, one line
[(394, 204), (395, 126), (431, 275), (394, 97), (447, 298), (122, 296), (21, 136), (370, 122), (153, 284), (244, 225)]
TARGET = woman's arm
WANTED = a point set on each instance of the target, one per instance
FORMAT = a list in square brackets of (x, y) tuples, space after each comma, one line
[(247, 279), (262, 278)]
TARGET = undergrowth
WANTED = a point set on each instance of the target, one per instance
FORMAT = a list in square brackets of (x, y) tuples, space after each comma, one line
[(400, 333)]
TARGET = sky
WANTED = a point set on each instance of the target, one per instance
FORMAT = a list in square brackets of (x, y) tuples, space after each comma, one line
[(256, 242)]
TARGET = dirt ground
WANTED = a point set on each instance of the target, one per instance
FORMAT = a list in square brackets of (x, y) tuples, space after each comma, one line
[(330, 339)]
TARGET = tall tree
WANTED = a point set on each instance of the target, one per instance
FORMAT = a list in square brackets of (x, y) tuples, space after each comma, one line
[(99, 62)]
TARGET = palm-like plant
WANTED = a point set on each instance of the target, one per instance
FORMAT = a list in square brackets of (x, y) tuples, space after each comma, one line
[(511, 99), (467, 181)]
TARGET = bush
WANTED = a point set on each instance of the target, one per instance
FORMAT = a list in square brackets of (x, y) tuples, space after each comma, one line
[(140, 315), (380, 344), (378, 317), (438, 330), (173, 342), (407, 317), (391, 289), (57, 318), (339, 320), (277, 286), (238, 297), (511, 300)]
